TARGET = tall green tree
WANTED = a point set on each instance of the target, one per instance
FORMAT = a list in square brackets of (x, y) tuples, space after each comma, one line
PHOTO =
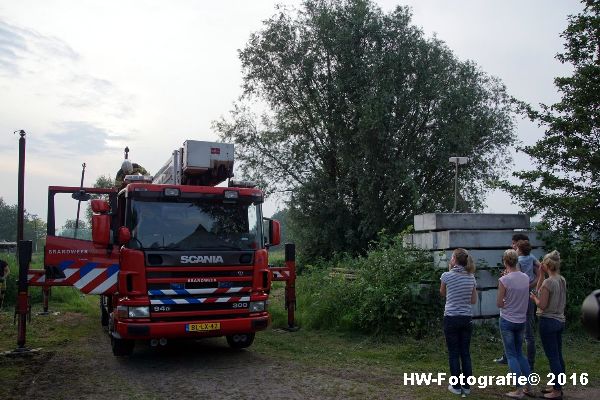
[(362, 113), (564, 186), (104, 182), (8, 221), (34, 227)]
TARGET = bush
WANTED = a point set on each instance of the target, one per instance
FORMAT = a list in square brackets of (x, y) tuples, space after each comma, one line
[(394, 291)]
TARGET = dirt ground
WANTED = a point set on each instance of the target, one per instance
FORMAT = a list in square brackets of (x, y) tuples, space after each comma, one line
[(188, 370), (84, 368)]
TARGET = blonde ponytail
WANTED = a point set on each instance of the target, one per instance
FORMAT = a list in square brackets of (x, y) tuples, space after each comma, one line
[(552, 261), (470, 267), (464, 259)]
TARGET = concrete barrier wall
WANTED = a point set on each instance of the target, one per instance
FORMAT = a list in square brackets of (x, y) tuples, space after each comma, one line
[(448, 222), (485, 236), (483, 258), (469, 239)]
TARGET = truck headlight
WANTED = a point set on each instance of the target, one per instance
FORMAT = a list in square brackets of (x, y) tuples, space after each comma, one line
[(124, 312), (257, 306), (139, 312)]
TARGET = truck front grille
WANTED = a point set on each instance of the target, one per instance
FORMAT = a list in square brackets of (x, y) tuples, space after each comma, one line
[(198, 293)]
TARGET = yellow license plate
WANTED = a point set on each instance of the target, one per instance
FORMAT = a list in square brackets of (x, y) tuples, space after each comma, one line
[(207, 326)]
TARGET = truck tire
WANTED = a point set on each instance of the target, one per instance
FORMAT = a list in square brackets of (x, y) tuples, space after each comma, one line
[(121, 347), (103, 313), (240, 341)]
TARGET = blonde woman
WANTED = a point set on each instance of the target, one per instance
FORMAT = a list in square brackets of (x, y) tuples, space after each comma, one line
[(459, 288), (513, 299), (551, 299)]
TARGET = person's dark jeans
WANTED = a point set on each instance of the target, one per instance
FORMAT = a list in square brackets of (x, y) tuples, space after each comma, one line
[(551, 334), (458, 331), (512, 337), (530, 334)]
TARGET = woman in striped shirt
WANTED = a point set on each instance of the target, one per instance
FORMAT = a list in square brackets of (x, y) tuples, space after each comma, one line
[(459, 288)]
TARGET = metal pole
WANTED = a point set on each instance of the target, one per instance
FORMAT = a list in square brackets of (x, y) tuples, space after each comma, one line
[(455, 184), (290, 285), (79, 201), (21, 187), (22, 307), (46, 298), (23, 250)]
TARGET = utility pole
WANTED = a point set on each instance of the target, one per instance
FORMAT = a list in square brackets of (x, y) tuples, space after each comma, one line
[(456, 161)]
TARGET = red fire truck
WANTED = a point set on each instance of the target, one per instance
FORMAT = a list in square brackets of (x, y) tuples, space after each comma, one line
[(174, 256)]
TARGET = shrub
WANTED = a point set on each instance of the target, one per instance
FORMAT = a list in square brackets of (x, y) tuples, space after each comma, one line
[(394, 291)]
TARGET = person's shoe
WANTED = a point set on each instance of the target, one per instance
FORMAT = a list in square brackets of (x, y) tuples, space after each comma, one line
[(455, 391), (466, 391), (555, 394), (501, 360), (517, 394)]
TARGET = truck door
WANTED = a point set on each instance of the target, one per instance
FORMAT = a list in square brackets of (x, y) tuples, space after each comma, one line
[(71, 256)]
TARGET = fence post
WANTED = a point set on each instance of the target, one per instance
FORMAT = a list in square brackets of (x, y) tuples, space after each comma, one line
[(22, 306), (290, 285)]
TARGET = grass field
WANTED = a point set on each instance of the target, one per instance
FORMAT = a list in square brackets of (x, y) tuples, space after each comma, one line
[(339, 353), (377, 361)]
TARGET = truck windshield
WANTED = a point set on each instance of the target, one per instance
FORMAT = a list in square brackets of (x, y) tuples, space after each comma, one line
[(195, 224)]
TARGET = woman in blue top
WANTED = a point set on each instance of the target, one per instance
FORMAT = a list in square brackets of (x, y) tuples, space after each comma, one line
[(459, 288)]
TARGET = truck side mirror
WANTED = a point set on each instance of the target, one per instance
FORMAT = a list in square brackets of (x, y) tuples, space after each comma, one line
[(124, 235), (100, 206), (100, 222), (274, 233)]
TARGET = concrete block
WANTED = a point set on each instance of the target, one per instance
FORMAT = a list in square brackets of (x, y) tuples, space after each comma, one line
[(486, 278), (486, 304), (459, 221), (468, 239), (487, 301), (484, 259), (476, 309)]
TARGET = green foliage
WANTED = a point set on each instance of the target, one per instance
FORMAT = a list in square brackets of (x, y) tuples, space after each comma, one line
[(83, 230), (283, 216), (105, 182), (394, 291), (69, 298), (363, 113), (8, 221), (34, 227), (563, 187)]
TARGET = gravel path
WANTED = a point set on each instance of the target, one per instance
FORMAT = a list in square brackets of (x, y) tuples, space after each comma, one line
[(86, 369)]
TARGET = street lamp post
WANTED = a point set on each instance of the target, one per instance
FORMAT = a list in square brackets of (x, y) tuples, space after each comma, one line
[(456, 161)]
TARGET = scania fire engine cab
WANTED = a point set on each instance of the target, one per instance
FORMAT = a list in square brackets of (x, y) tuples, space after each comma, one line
[(174, 256)]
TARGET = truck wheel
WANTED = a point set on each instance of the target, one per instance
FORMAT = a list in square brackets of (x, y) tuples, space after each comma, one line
[(121, 347), (240, 341), (103, 313)]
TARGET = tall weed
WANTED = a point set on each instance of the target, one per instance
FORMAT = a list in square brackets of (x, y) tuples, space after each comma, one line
[(394, 291)]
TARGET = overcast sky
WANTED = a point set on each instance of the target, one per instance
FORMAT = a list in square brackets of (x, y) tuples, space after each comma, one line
[(86, 78)]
